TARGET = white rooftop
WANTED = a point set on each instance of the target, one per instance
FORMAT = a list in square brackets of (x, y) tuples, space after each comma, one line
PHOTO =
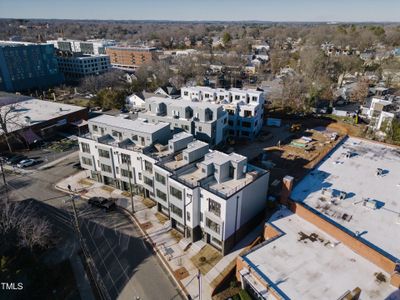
[(357, 176), (134, 125), (36, 111), (306, 269)]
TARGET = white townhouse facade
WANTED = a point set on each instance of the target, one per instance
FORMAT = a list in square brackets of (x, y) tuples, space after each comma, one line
[(205, 121), (245, 107), (208, 195)]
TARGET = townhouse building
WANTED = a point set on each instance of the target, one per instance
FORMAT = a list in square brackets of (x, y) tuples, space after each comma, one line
[(208, 195), (245, 107), (205, 121)]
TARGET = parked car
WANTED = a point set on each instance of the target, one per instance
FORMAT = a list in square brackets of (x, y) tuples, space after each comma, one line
[(77, 166), (102, 202), (26, 163), (16, 159)]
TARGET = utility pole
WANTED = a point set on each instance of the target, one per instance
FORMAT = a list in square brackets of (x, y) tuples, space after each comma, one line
[(83, 246), (4, 179)]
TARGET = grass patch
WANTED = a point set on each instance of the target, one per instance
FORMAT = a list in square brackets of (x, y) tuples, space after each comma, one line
[(85, 182), (148, 202), (206, 259), (161, 218), (176, 235), (107, 188)]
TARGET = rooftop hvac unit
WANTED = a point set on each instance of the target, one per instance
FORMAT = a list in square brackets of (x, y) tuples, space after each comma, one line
[(349, 154), (379, 172), (369, 203), (342, 195), (326, 192)]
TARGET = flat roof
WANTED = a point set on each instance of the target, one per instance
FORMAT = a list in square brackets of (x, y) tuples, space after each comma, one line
[(179, 102), (134, 125), (357, 176), (302, 266), (36, 110)]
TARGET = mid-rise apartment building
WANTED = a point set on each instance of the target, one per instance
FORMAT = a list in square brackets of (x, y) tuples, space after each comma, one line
[(28, 66), (207, 194), (245, 107), (205, 121), (90, 47), (131, 57), (75, 67)]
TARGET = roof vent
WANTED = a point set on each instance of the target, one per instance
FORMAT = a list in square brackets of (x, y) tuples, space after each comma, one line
[(369, 203)]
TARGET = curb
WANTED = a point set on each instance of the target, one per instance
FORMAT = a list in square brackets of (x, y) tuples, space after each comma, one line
[(180, 286), (182, 290)]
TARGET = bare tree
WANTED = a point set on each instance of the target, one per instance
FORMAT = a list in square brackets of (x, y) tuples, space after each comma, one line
[(9, 117), (360, 92), (21, 227)]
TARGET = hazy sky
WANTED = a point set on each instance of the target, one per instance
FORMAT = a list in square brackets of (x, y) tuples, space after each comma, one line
[(263, 10)]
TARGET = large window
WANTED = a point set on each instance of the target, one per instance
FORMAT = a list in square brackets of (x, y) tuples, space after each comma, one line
[(160, 178), (246, 124), (148, 181), (85, 147), (148, 166), (86, 161), (125, 158), (176, 210), (126, 173), (213, 226), (214, 207), (161, 195), (175, 192), (106, 168), (247, 113), (104, 153)]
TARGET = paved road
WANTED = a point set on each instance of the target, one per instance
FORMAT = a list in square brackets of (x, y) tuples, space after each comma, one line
[(125, 263)]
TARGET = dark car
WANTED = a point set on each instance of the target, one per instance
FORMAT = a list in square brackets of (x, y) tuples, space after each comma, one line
[(77, 166), (16, 159), (102, 202)]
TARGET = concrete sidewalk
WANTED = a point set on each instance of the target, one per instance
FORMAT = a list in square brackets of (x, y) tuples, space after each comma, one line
[(174, 252)]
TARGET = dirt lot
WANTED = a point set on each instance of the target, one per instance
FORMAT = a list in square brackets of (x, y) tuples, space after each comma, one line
[(293, 153)]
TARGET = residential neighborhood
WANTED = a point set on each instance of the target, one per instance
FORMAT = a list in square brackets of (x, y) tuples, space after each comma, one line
[(224, 151)]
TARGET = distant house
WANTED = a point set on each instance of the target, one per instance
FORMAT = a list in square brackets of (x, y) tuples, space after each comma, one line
[(137, 100), (168, 91), (346, 110)]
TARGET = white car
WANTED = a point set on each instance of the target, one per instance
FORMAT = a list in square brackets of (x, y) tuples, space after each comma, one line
[(26, 163)]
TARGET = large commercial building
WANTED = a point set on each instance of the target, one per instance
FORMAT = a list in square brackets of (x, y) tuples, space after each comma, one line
[(245, 107), (131, 57), (206, 121), (27, 66), (341, 233), (206, 194), (75, 67), (90, 47), (31, 120)]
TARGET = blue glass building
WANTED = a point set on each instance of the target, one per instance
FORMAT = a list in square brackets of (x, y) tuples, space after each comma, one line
[(25, 67)]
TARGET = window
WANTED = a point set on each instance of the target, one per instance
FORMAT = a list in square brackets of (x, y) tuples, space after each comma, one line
[(134, 137), (214, 207), (246, 124), (140, 176), (160, 178), (125, 158), (185, 93), (176, 210), (104, 153), (126, 173), (148, 166), (106, 168), (161, 195), (85, 147), (254, 98), (200, 129), (237, 97), (175, 192), (230, 123), (201, 217), (213, 226), (247, 113), (95, 128), (188, 216), (116, 134), (148, 181), (86, 161)]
